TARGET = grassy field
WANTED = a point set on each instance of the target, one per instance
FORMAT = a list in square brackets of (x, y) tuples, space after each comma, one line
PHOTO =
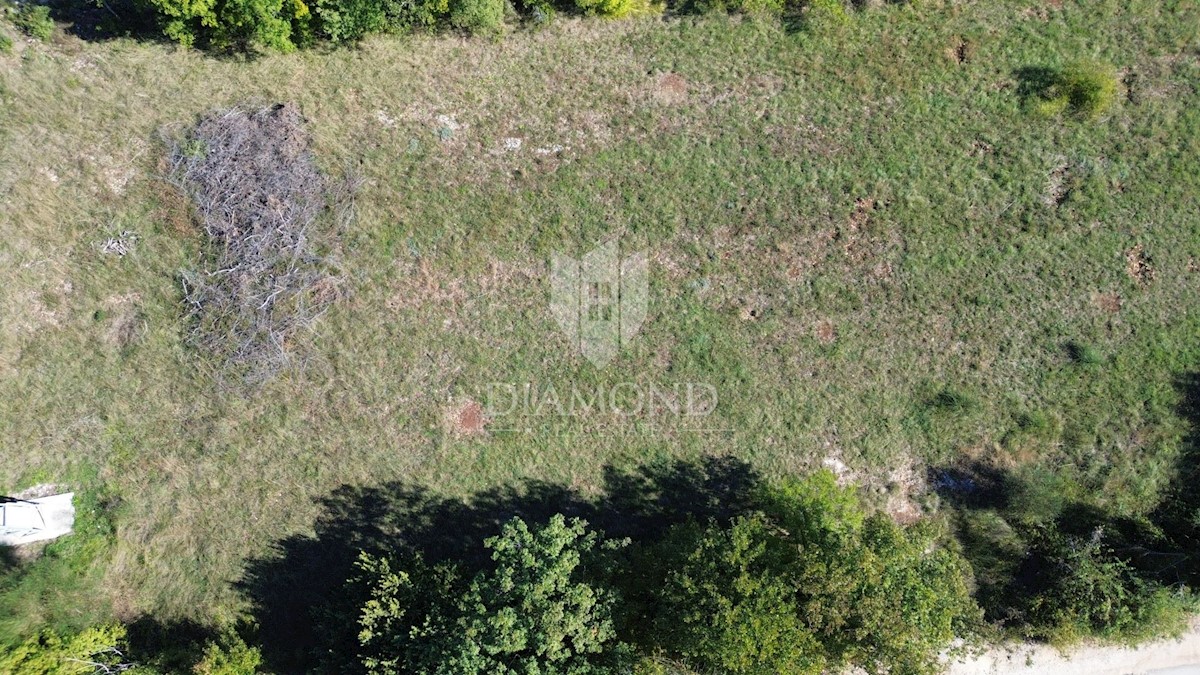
[(857, 235)]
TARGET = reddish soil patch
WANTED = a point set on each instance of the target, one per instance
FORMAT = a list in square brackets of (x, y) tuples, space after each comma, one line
[(467, 419), (672, 89)]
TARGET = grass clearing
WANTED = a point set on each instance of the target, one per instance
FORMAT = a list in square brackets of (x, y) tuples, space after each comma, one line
[(857, 236)]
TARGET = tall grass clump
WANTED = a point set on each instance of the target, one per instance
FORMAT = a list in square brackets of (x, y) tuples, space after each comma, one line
[(1082, 89)]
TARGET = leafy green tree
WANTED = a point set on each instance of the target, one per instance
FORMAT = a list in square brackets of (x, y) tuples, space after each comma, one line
[(234, 24), (813, 582), (532, 613), (350, 20), (877, 595), (477, 16), (730, 607)]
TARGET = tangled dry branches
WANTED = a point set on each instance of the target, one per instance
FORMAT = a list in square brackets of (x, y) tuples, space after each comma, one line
[(269, 218)]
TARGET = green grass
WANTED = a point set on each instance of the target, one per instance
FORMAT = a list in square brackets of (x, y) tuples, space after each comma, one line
[(871, 249)]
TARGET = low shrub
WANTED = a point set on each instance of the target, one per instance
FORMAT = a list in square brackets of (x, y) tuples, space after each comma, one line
[(350, 20), (35, 21), (1083, 89), (610, 8), (825, 14), (739, 6), (1086, 590), (96, 650), (477, 16), (230, 656), (6, 44)]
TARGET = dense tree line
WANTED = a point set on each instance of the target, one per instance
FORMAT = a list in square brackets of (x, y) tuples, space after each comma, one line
[(232, 26), (795, 576)]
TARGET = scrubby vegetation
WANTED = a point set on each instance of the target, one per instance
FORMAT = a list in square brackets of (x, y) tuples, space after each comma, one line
[(862, 232), (34, 20)]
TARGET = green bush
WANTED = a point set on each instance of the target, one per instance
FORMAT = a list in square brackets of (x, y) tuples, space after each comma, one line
[(1087, 591), (350, 20), (6, 44), (812, 582), (740, 6), (235, 24), (477, 16), (35, 21), (1085, 89), (730, 605), (881, 596), (230, 656), (99, 649)]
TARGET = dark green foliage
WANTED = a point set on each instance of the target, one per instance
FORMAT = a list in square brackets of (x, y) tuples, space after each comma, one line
[(809, 583), (797, 579), (730, 605), (530, 613), (34, 21), (477, 16), (235, 24), (1051, 566), (1083, 354), (1081, 588), (350, 20), (952, 400)]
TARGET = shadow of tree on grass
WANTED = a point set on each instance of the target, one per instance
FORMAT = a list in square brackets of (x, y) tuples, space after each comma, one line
[(1000, 532), (299, 594)]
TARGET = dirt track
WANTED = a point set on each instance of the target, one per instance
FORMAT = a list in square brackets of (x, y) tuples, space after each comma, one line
[(1173, 657)]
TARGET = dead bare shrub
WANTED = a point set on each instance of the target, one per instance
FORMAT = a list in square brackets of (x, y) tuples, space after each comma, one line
[(271, 219)]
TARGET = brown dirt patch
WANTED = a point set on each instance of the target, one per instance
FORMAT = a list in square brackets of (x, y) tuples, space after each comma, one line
[(961, 50), (751, 309), (860, 247), (1057, 186), (1137, 265), (1109, 302), (671, 89), (125, 324), (826, 332)]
